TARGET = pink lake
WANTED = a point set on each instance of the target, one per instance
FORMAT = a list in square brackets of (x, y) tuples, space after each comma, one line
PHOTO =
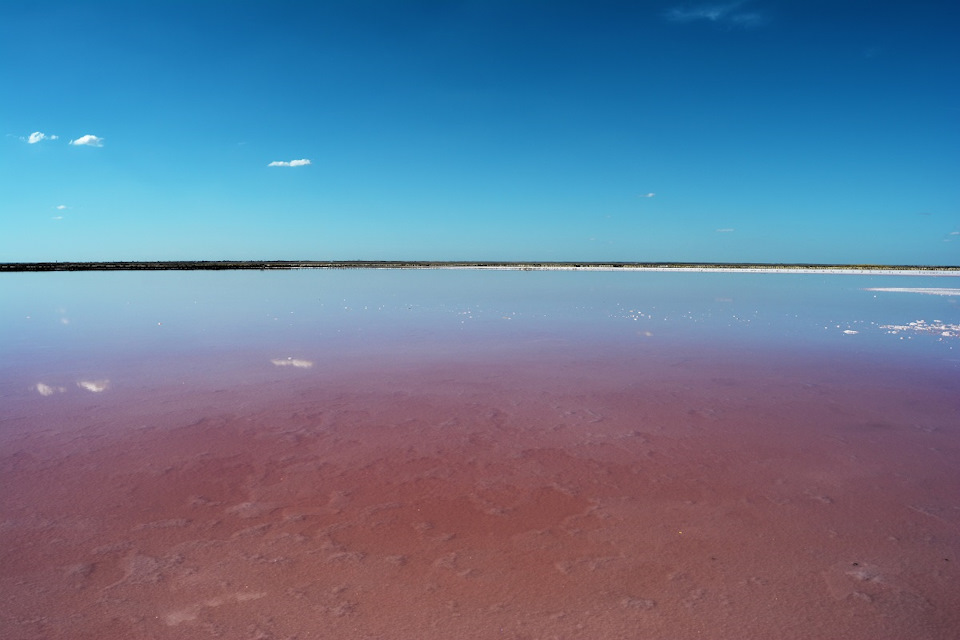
[(518, 455)]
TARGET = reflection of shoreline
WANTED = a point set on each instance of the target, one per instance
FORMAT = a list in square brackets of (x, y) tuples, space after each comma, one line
[(702, 267)]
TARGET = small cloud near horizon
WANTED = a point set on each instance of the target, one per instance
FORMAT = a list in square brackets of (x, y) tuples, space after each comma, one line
[(727, 14), (88, 140), (38, 136), (292, 163)]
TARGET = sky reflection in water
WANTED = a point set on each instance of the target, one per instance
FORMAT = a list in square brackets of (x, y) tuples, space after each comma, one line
[(311, 315)]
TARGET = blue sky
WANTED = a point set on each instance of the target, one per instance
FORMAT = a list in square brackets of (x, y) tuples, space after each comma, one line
[(761, 130)]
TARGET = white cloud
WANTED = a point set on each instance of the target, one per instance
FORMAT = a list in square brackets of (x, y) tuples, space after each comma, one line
[(727, 14), (293, 163), (699, 13), (646, 195), (61, 207), (725, 230), (58, 217), (38, 136), (87, 141)]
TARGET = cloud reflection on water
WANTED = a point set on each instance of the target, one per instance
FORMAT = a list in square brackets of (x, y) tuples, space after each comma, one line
[(292, 362), (47, 390), (94, 386)]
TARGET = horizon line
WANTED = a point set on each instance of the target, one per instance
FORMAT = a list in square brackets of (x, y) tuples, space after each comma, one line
[(221, 265)]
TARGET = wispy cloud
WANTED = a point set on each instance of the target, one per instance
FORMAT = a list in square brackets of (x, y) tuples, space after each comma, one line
[(729, 14), (61, 207), (292, 163), (725, 230), (88, 140), (38, 136), (646, 195)]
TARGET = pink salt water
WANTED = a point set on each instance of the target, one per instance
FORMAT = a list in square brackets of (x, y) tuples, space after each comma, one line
[(456, 484)]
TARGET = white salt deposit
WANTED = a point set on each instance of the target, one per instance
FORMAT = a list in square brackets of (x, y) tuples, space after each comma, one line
[(935, 291)]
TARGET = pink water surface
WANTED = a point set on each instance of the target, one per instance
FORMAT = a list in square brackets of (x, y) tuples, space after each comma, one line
[(561, 484)]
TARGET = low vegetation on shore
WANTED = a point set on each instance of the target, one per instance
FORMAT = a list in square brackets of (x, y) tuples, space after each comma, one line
[(212, 265)]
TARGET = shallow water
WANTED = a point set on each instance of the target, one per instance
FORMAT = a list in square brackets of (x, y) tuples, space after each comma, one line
[(454, 454)]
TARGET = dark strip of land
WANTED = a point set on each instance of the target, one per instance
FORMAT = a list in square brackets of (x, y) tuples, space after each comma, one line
[(214, 265)]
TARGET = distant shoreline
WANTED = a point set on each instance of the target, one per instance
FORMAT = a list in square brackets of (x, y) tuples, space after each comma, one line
[(222, 265)]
